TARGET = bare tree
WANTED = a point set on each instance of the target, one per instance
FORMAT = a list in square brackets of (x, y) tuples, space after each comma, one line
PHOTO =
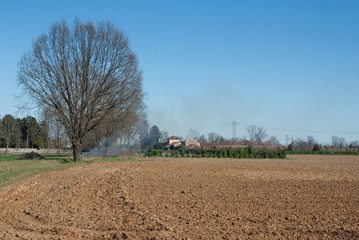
[(311, 141), (342, 142), (300, 145), (202, 139), (338, 142), (211, 137), (215, 137), (251, 132), (57, 132), (260, 135), (274, 141), (354, 144), (47, 119), (84, 74), (256, 134)]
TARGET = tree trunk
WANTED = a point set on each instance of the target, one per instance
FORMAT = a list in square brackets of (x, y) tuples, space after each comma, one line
[(107, 147), (58, 144), (76, 148)]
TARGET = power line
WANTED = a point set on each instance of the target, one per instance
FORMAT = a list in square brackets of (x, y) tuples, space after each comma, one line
[(312, 131), (235, 123), (203, 128), (306, 130)]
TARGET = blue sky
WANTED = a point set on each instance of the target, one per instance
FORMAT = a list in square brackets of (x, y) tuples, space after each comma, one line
[(291, 67)]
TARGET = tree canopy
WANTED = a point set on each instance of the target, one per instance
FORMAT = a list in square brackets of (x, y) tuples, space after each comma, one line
[(85, 75)]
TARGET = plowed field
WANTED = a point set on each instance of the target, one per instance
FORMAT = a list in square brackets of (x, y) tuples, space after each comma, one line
[(302, 197)]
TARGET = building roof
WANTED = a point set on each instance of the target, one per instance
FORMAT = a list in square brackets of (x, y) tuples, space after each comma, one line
[(174, 137), (192, 146), (191, 141), (223, 145)]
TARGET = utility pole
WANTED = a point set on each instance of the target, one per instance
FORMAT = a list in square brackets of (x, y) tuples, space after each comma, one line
[(234, 132), (286, 140)]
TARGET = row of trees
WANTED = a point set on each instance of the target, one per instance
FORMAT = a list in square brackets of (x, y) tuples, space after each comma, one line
[(27, 132), (48, 132), (256, 135), (310, 144)]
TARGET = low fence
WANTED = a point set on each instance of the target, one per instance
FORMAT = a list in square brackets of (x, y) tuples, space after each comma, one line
[(41, 151)]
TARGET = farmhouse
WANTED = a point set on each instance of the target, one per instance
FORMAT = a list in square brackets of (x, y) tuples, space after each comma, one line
[(173, 139), (191, 143), (174, 143)]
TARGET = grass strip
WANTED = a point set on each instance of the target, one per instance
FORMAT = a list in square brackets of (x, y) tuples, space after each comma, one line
[(12, 170)]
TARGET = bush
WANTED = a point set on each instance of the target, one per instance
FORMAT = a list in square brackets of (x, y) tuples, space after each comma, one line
[(151, 152), (39, 143), (316, 148), (31, 155)]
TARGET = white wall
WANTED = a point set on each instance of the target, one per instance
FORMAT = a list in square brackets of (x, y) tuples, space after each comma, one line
[(41, 151)]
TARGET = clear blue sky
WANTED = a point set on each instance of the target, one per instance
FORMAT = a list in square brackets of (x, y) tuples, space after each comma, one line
[(289, 66)]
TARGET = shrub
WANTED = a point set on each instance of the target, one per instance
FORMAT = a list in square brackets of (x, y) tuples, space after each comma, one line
[(248, 152), (316, 148)]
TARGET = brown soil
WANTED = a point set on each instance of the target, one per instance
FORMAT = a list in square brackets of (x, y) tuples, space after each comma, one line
[(303, 197)]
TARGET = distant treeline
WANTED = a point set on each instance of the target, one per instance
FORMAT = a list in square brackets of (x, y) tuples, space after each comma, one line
[(27, 132), (248, 152)]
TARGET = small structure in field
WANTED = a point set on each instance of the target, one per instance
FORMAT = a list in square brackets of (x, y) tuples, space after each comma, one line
[(31, 155)]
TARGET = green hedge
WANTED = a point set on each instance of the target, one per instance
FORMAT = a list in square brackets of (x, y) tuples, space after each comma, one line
[(151, 152), (248, 152), (321, 153)]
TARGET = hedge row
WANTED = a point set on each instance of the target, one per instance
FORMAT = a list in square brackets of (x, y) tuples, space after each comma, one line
[(321, 153), (202, 152)]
